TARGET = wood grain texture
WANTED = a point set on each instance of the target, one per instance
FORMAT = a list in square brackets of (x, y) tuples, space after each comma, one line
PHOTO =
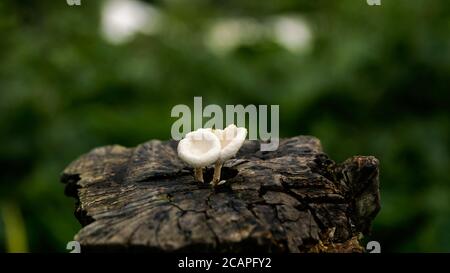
[(294, 199)]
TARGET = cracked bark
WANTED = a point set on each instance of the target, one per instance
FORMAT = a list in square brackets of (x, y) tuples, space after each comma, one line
[(294, 199)]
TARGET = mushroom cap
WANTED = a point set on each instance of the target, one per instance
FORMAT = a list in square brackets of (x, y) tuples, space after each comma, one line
[(199, 148), (231, 139)]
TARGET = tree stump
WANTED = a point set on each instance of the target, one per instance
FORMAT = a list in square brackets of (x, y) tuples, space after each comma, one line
[(294, 199)]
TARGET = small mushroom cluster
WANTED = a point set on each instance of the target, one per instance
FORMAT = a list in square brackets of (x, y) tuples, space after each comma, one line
[(206, 146)]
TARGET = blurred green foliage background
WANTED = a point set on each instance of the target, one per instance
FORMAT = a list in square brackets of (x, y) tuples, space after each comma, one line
[(370, 80)]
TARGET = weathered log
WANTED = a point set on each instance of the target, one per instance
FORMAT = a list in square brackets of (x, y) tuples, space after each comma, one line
[(294, 199)]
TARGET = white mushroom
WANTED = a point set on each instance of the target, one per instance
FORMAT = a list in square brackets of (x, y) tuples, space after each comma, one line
[(199, 149), (231, 139)]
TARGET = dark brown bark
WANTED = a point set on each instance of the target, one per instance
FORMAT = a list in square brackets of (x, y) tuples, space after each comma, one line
[(294, 199)]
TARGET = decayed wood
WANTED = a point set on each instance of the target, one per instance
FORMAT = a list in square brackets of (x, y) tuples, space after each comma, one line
[(294, 199)]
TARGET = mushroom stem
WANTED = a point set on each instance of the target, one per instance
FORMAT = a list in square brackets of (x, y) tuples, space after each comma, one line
[(198, 172), (217, 172)]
